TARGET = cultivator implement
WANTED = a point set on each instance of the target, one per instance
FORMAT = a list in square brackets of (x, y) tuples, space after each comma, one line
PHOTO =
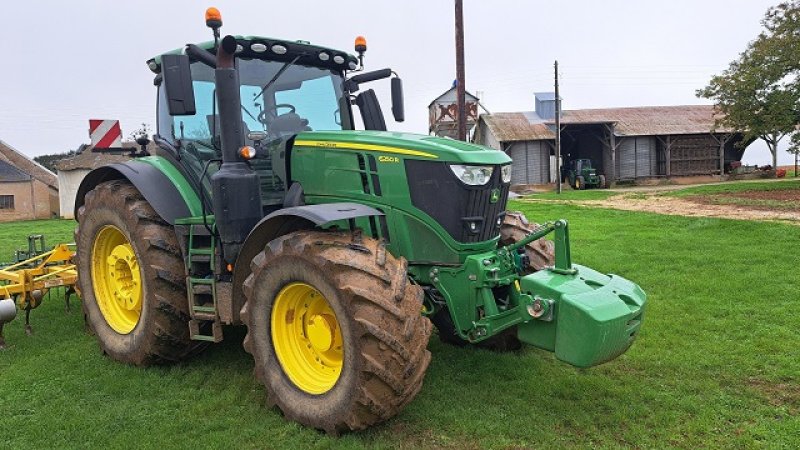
[(25, 282)]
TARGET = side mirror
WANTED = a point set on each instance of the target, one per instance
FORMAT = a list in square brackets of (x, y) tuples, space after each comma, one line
[(398, 107), (178, 85)]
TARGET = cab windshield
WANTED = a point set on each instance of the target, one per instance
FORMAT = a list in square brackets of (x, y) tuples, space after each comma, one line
[(301, 98)]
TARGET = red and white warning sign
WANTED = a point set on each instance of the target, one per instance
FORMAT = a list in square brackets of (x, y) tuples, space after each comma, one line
[(105, 134)]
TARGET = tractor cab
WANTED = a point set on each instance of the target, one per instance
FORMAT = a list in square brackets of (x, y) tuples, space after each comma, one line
[(285, 88), (583, 165)]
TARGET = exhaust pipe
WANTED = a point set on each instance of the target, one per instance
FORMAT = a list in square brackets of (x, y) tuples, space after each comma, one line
[(236, 187), (8, 311)]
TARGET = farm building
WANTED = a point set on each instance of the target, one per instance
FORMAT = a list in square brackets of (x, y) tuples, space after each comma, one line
[(625, 144), (71, 171), (27, 189), (443, 113)]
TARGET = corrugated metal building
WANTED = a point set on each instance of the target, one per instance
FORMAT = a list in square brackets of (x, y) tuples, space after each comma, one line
[(623, 143)]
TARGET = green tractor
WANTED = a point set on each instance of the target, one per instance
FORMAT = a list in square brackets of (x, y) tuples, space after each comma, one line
[(581, 175), (337, 249)]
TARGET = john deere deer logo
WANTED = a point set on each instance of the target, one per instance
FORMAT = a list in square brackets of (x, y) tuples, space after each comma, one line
[(495, 196)]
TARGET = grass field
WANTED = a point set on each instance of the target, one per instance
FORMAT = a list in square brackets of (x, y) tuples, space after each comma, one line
[(742, 186), (717, 364), (567, 193)]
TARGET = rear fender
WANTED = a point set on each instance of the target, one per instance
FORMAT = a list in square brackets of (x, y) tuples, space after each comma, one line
[(159, 182)]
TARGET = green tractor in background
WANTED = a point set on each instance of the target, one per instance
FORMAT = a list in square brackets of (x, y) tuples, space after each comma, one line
[(337, 249), (581, 175)]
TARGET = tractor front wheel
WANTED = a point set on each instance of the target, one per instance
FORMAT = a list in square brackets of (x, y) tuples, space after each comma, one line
[(541, 252), (130, 275), (335, 328)]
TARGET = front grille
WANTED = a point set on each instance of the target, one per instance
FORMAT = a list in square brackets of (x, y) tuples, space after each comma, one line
[(455, 206)]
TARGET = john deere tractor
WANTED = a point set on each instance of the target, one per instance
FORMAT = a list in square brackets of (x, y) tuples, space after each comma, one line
[(338, 249), (580, 174)]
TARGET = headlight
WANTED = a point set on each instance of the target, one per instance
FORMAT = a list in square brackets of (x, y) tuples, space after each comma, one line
[(473, 175), (505, 173)]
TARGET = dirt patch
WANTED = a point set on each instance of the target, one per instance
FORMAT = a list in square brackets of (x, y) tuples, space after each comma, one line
[(682, 206), (687, 207), (788, 195), (778, 394), (784, 201)]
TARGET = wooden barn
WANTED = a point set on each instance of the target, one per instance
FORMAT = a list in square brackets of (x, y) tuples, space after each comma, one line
[(625, 144)]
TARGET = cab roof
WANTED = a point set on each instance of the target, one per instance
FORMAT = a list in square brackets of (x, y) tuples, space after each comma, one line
[(261, 47)]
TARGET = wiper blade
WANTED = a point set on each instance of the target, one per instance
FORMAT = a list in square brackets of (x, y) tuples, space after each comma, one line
[(277, 75)]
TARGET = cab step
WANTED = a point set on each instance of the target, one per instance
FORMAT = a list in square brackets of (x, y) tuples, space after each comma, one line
[(201, 280)]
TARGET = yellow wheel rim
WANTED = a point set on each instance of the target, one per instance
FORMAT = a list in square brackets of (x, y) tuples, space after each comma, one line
[(307, 338), (117, 279)]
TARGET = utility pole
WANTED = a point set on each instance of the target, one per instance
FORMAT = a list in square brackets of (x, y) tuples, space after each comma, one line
[(558, 134), (460, 88)]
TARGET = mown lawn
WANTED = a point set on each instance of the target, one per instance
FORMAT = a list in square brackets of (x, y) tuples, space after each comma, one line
[(717, 363)]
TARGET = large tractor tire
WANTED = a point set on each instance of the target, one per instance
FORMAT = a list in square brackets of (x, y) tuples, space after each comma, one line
[(131, 277), (540, 253), (335, 329)]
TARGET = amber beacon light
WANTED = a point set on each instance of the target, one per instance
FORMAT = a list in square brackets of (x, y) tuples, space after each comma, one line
[(213, 18)]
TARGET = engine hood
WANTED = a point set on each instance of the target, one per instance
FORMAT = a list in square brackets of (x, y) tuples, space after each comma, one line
[(405, 145)]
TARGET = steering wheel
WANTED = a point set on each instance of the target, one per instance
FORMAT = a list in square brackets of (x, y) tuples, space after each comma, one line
[(292, 109), (265, 116)]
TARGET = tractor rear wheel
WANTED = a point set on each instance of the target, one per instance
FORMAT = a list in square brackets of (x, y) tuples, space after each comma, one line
[(131, 277), (335, 329), (540, 253)]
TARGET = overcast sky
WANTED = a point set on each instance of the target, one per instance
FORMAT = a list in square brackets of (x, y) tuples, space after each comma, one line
[(66, 62)]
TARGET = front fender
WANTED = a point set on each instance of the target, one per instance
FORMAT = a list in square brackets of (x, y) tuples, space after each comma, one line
[(285, 221)]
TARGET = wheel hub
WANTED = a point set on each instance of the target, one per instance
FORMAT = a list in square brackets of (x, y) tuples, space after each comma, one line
[(306, 338), (116, 279), (320, 331), (124, 276)]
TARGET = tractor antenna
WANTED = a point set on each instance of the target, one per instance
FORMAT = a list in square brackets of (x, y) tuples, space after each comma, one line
[(214, 21)]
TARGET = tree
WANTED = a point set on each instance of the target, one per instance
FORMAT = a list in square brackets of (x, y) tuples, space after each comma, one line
[(144, 130), (759, 93), (49, 161), (794, 148)]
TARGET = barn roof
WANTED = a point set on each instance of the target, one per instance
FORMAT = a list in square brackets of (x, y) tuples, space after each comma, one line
[(518, 126), (451, 91), (88, 159), (634, 121), (26, 165), (9, 173)]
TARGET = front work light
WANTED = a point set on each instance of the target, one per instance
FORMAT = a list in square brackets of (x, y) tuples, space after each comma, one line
[(505, 173), (472, 175)]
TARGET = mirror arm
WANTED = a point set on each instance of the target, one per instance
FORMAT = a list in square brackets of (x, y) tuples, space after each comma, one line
[(204, 56)]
